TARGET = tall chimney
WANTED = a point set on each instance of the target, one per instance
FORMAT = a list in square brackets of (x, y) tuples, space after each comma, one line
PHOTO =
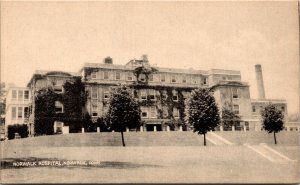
[(260, 82)]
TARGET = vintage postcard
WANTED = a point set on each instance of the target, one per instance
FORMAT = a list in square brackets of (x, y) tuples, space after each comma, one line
[(149, 92)]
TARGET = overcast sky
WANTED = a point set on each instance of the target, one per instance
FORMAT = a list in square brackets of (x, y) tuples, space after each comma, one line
[(202, 35)]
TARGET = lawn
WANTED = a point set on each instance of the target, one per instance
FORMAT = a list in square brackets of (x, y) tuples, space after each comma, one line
[(151, 164)]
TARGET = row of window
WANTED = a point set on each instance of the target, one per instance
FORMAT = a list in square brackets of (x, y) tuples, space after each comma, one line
[(254, 108), (146, 112), (144, 94), (162, 77), (20, 95), (19, 112)]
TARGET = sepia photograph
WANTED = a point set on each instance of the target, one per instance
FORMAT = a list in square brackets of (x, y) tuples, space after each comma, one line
[(149, 92)]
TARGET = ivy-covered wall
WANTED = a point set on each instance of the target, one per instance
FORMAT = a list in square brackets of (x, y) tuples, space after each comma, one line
[(73, 99), (160, 102)]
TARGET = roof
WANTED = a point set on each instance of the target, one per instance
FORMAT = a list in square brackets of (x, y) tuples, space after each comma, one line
[(128, 67), (53, 73)]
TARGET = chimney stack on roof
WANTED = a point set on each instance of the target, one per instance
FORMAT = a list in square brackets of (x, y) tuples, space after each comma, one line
[(260, 82), (108, 60)]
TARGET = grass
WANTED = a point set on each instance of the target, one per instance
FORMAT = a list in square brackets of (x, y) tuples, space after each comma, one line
[(184, 160)]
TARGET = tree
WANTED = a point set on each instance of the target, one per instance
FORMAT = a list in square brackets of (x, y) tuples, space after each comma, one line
[(229, 118), (2, 103), (87, 123), (123, 111), (272, 119), (202, 111)]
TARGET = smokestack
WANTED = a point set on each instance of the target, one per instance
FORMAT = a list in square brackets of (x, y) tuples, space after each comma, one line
[(260, 82)]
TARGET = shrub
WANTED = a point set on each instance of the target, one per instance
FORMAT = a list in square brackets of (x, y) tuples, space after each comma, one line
[(22, 129)]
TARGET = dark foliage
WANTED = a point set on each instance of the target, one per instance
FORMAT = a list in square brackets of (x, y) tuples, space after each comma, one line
[(229, 119), (202, 111), (272, 119), (73, 100), (123, 111), (21, 129)]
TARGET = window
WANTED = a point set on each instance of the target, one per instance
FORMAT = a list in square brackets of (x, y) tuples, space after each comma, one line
[(164, 95), (14, 94), (165, 112), (105, 75), (152, 112), (26, 95), (106, 94), (94, 75), (236, 109), (183, 79), (59, 108), (94, 93), (129, 76), (194, 80), (143, 95), (253, 108), (26, 112), (235, 93), (14, 112), (175, 113), (175, 96), (162, 78), (185, 95), (282, 108), (20, 112), (144, 112), (151, 78), (173, 79), (151, 94), (94, 110), (142, 77), (20, 95), (118, 75), (58, 86), (204, 80)]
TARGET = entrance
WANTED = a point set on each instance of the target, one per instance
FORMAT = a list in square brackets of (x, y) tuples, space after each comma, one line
[(150, 127)]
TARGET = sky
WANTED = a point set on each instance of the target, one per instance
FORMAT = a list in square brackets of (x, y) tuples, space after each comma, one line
[(201, 35)]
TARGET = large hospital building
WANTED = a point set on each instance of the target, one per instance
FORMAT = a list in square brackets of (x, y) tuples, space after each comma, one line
[(161, 93)]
